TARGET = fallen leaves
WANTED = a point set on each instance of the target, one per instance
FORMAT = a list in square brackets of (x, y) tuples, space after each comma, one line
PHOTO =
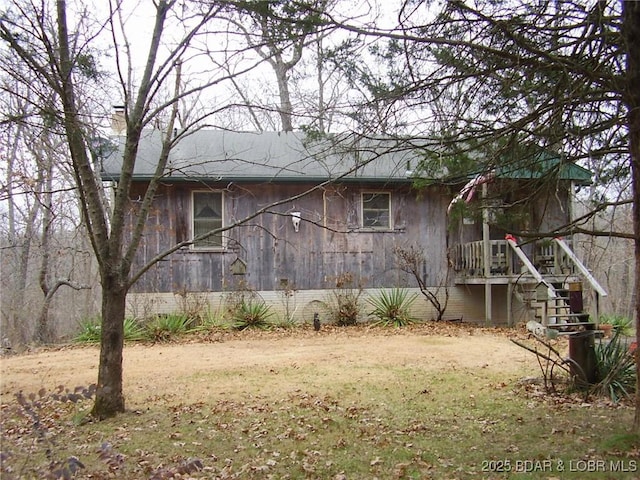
[(408, 422)]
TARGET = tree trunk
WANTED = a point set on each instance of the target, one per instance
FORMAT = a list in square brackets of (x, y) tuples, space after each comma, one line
[(285, 110), (44, 332), (631, 37), (109, 394)]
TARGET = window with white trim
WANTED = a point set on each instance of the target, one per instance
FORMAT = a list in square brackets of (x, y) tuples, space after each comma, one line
[(207, 216), (376, 210)]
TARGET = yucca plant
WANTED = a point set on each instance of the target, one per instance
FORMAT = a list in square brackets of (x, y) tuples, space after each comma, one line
[(90, 331), (165, 327), (133, 330), (251, 314), (615, 369), (391, 308)]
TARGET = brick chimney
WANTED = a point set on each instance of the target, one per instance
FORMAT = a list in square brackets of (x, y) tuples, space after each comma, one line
[(118, 120)]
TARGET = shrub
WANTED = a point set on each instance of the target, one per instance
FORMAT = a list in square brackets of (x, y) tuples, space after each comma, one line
[(391, 308), (165, 327), (411, 260), (343, 304), (212, 321), (194, 305), (615, 368), (251, 314), (347, 309), (287, 293)]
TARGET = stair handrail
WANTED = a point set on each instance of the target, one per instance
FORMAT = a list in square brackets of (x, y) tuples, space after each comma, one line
[(583, 270), (512, 242)]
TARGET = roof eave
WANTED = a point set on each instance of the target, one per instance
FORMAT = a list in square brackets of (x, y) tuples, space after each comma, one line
[(248, 179)]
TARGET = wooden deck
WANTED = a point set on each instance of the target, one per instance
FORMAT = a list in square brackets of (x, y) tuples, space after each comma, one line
[(501, 265), (537, 276)]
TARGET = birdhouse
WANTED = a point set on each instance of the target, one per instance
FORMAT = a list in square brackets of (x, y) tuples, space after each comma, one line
[(238, 267), (542, 292)]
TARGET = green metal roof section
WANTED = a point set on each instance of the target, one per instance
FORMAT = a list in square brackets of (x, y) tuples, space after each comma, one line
[(545, 165)]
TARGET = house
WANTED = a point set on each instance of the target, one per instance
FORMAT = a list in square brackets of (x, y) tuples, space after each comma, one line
[(315, 209)]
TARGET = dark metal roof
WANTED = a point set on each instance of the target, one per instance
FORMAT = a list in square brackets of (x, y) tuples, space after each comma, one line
[(220, 155), (269, 156)]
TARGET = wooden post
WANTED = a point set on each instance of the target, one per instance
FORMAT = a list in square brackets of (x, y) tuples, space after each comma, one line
[(486, 247), (510, 303)]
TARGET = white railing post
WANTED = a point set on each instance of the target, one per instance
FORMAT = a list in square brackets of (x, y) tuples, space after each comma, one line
[(530, 266), (583, 270)]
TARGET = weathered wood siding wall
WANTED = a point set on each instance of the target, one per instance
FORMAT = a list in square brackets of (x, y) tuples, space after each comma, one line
[(329, 243)]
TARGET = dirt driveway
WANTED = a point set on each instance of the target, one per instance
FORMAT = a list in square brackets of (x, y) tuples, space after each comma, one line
[(234, 360)]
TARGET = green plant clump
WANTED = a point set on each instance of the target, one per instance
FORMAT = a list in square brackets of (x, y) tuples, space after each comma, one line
[(615, 368), (391, 308), (620, 323), (90, 331), (211, 322), (133, 330), (251, 314)]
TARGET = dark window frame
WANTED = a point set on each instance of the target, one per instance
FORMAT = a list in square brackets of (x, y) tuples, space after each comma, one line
[(374, 214), (207, 218)]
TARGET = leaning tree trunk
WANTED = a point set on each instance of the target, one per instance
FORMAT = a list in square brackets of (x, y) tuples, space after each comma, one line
[(631, 38), (109, 394)]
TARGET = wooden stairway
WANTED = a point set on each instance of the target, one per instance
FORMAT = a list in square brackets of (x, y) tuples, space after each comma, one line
[(555, 308), (553, 311)]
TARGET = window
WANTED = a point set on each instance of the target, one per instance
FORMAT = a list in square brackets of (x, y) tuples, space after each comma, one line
[(376, 208), (207, 216)]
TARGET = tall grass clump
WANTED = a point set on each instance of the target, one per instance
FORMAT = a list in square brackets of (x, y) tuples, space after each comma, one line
[(89, 331), (391, 308), (211, 322)]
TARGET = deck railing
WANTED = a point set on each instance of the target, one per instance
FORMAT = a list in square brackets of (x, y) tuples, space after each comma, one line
[(468, 259)]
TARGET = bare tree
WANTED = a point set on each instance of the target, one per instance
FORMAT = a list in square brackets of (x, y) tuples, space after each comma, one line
[(280, 31), (151, 98), (411, 260), (40, 204), (44, 42)]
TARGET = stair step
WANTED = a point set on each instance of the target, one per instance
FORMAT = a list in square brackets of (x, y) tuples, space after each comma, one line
[(574, 324), (596, 333), (569, 333)]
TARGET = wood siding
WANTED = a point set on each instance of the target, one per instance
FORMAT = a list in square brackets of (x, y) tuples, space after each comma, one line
[(329, 243)]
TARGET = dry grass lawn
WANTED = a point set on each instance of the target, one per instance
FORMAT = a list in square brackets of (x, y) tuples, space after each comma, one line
[(336, 355), (428, 401)]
